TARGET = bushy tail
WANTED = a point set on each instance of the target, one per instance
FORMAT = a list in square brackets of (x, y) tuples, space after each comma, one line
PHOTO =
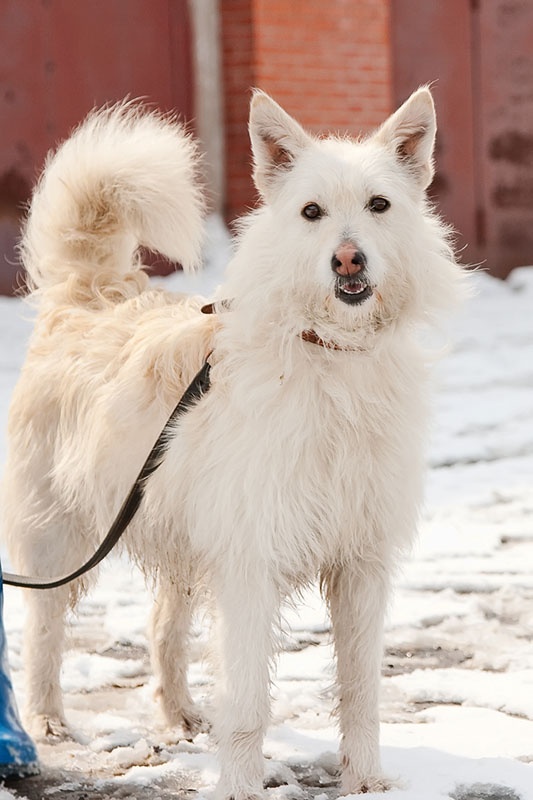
[(126, 177)]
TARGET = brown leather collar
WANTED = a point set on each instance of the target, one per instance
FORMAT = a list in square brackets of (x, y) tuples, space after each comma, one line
[(220, 305), (307, 335), (314, 338)]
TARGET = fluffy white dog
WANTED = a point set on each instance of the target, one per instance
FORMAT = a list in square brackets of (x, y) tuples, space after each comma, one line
[(305, 458)]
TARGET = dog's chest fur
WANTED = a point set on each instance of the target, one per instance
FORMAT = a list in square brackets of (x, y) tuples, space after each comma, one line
[(312, 465)]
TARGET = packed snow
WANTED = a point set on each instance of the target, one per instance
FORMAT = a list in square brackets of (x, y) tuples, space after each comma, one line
[(457, 687)]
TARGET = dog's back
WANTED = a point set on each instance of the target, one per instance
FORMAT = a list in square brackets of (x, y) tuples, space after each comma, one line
[(125, 178)]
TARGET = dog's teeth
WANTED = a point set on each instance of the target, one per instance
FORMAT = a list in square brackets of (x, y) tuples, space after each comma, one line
[(355, 289)]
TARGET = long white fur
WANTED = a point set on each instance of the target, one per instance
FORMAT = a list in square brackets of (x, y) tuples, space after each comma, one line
[(301, 462)]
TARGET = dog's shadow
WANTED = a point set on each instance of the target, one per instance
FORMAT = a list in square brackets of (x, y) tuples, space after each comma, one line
[(55, 784)]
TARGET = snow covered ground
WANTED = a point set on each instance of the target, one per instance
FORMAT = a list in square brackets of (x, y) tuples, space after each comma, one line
[(457, 690)]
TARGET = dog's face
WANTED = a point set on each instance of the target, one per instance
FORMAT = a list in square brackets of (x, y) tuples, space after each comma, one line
[(350, 235)]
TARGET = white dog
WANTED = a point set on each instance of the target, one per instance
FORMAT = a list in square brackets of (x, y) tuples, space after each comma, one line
[(304, 459)]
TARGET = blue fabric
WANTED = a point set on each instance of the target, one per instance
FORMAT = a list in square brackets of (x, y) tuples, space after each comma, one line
[(18, 757)]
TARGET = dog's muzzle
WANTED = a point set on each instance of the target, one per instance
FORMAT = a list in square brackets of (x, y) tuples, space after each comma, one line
[(349, 265)]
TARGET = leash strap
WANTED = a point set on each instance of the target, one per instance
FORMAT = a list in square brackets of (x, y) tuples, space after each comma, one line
[(196, 389)]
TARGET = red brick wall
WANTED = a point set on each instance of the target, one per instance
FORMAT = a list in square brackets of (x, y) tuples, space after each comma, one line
[(327, 63), (239, 76)]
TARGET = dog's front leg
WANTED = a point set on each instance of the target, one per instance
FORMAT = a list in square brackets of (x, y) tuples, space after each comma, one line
[(357, 594), (248, 603)]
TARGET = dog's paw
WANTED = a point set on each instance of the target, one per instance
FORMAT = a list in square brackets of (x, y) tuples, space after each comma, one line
[(366, 785), (49, 729), (229, 790), (185, 717), (193, 722), (182, 714)]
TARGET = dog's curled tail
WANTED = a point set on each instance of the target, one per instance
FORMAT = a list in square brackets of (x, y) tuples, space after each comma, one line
[(126, 177)]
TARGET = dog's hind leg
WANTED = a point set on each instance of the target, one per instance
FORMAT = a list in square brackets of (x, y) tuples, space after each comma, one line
[(357, 595), (49, 548), (43, 649), (170, 624)]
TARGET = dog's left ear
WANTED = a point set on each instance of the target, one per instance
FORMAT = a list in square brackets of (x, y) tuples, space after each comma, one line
[(277, 139), (410, 133)]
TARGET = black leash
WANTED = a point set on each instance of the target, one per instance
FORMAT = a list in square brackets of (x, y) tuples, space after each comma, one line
[(198, 387)]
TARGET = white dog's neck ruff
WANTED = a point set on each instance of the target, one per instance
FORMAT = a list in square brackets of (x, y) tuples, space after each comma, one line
[(307, 335)]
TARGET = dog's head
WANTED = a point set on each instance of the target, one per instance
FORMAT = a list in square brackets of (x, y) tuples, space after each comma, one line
[(345, 239)]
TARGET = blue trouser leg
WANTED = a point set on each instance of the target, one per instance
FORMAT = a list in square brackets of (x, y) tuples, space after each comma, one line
[(18, 757)]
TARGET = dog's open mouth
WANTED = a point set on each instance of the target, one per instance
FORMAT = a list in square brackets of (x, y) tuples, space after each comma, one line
[(352, 290)]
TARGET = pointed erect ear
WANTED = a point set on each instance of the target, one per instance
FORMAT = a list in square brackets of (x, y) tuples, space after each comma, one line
[(277, 140), (410, 133)]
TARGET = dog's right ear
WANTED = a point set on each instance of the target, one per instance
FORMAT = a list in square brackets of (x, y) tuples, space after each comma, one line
[(277, 139)]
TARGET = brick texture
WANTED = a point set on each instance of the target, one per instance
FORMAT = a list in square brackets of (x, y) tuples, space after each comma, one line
[(327, 63)]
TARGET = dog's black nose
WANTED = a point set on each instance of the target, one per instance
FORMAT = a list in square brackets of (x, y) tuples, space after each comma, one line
[(347, 260)]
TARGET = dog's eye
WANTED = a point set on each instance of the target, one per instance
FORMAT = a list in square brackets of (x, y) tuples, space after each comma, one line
[(378, 205), (312, 211)]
